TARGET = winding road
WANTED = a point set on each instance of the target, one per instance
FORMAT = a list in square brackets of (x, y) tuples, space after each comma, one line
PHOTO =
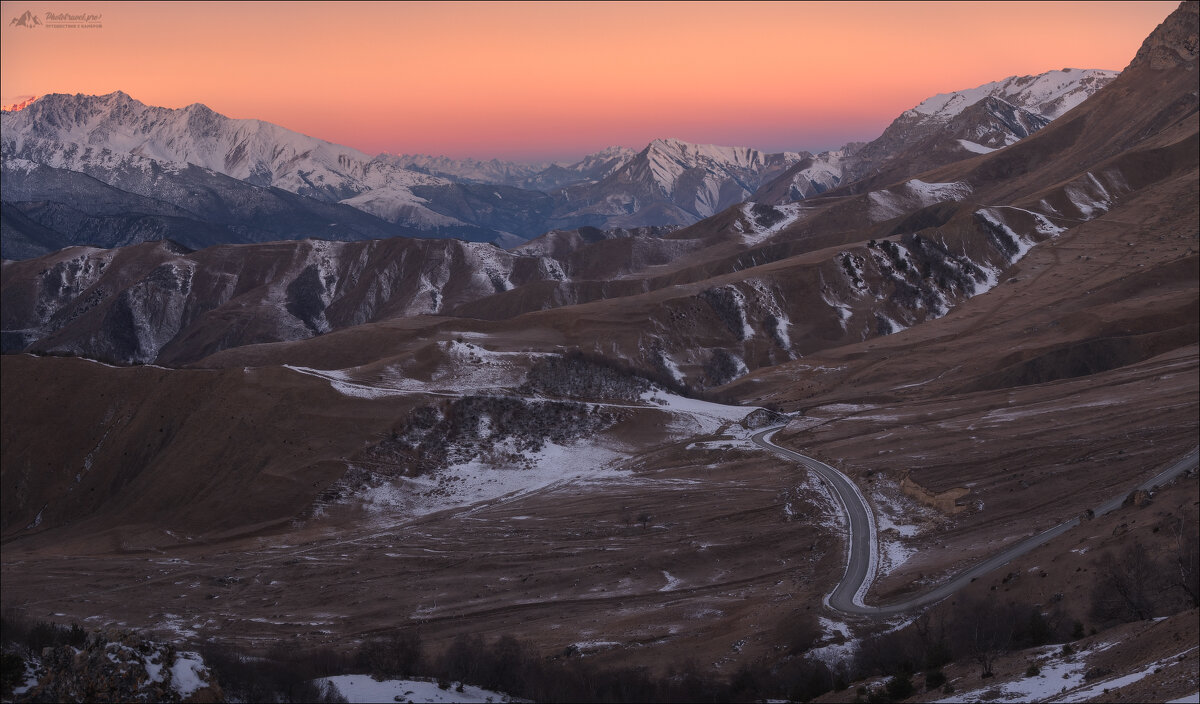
[(862, 556)]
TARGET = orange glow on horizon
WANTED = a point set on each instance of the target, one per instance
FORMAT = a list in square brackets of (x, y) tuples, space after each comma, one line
[(539, 80)]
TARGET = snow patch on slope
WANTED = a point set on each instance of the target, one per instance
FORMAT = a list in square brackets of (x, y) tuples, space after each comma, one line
[(480, 480), (751, 225), (974, 147)]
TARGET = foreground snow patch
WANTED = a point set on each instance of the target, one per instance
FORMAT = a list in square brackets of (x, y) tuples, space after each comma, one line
[(189, 674), (361, 688), (478, 481)]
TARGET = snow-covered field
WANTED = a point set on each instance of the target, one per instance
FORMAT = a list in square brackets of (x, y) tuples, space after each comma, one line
[(362, 688), (705, 417)]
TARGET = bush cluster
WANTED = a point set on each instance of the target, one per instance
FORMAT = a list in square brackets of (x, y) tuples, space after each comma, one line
[(579, 376)]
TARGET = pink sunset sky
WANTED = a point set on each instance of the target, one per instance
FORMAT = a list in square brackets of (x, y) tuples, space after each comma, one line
[(533, 81)]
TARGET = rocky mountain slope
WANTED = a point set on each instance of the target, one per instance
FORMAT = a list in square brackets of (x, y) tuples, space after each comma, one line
[(157, 302)]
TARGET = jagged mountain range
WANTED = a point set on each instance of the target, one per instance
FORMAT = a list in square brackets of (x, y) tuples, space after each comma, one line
[(172, 155), (200, 178)]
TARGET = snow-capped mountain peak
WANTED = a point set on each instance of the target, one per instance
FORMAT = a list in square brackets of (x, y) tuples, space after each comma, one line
[(1048, 94)]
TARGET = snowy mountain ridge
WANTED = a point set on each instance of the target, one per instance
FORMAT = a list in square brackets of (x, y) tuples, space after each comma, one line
[(1048, 94), (943, 128), (66, 130)]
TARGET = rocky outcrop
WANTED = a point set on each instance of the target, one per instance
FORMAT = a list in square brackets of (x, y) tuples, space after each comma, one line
[(1174, 42), (118, 666), (762, 417), (492, 429)]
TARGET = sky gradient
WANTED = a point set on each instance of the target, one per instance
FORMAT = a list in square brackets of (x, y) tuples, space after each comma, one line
[(555, 81)]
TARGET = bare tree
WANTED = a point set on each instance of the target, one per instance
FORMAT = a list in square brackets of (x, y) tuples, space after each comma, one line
[(1127, 585), (1187, 561), (931, 630), (984, 630)]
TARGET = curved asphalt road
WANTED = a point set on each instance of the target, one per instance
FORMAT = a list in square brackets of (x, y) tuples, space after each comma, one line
[(847, 596)]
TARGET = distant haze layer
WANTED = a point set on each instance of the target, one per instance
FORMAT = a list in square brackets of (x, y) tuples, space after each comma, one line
[(554, 81)]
